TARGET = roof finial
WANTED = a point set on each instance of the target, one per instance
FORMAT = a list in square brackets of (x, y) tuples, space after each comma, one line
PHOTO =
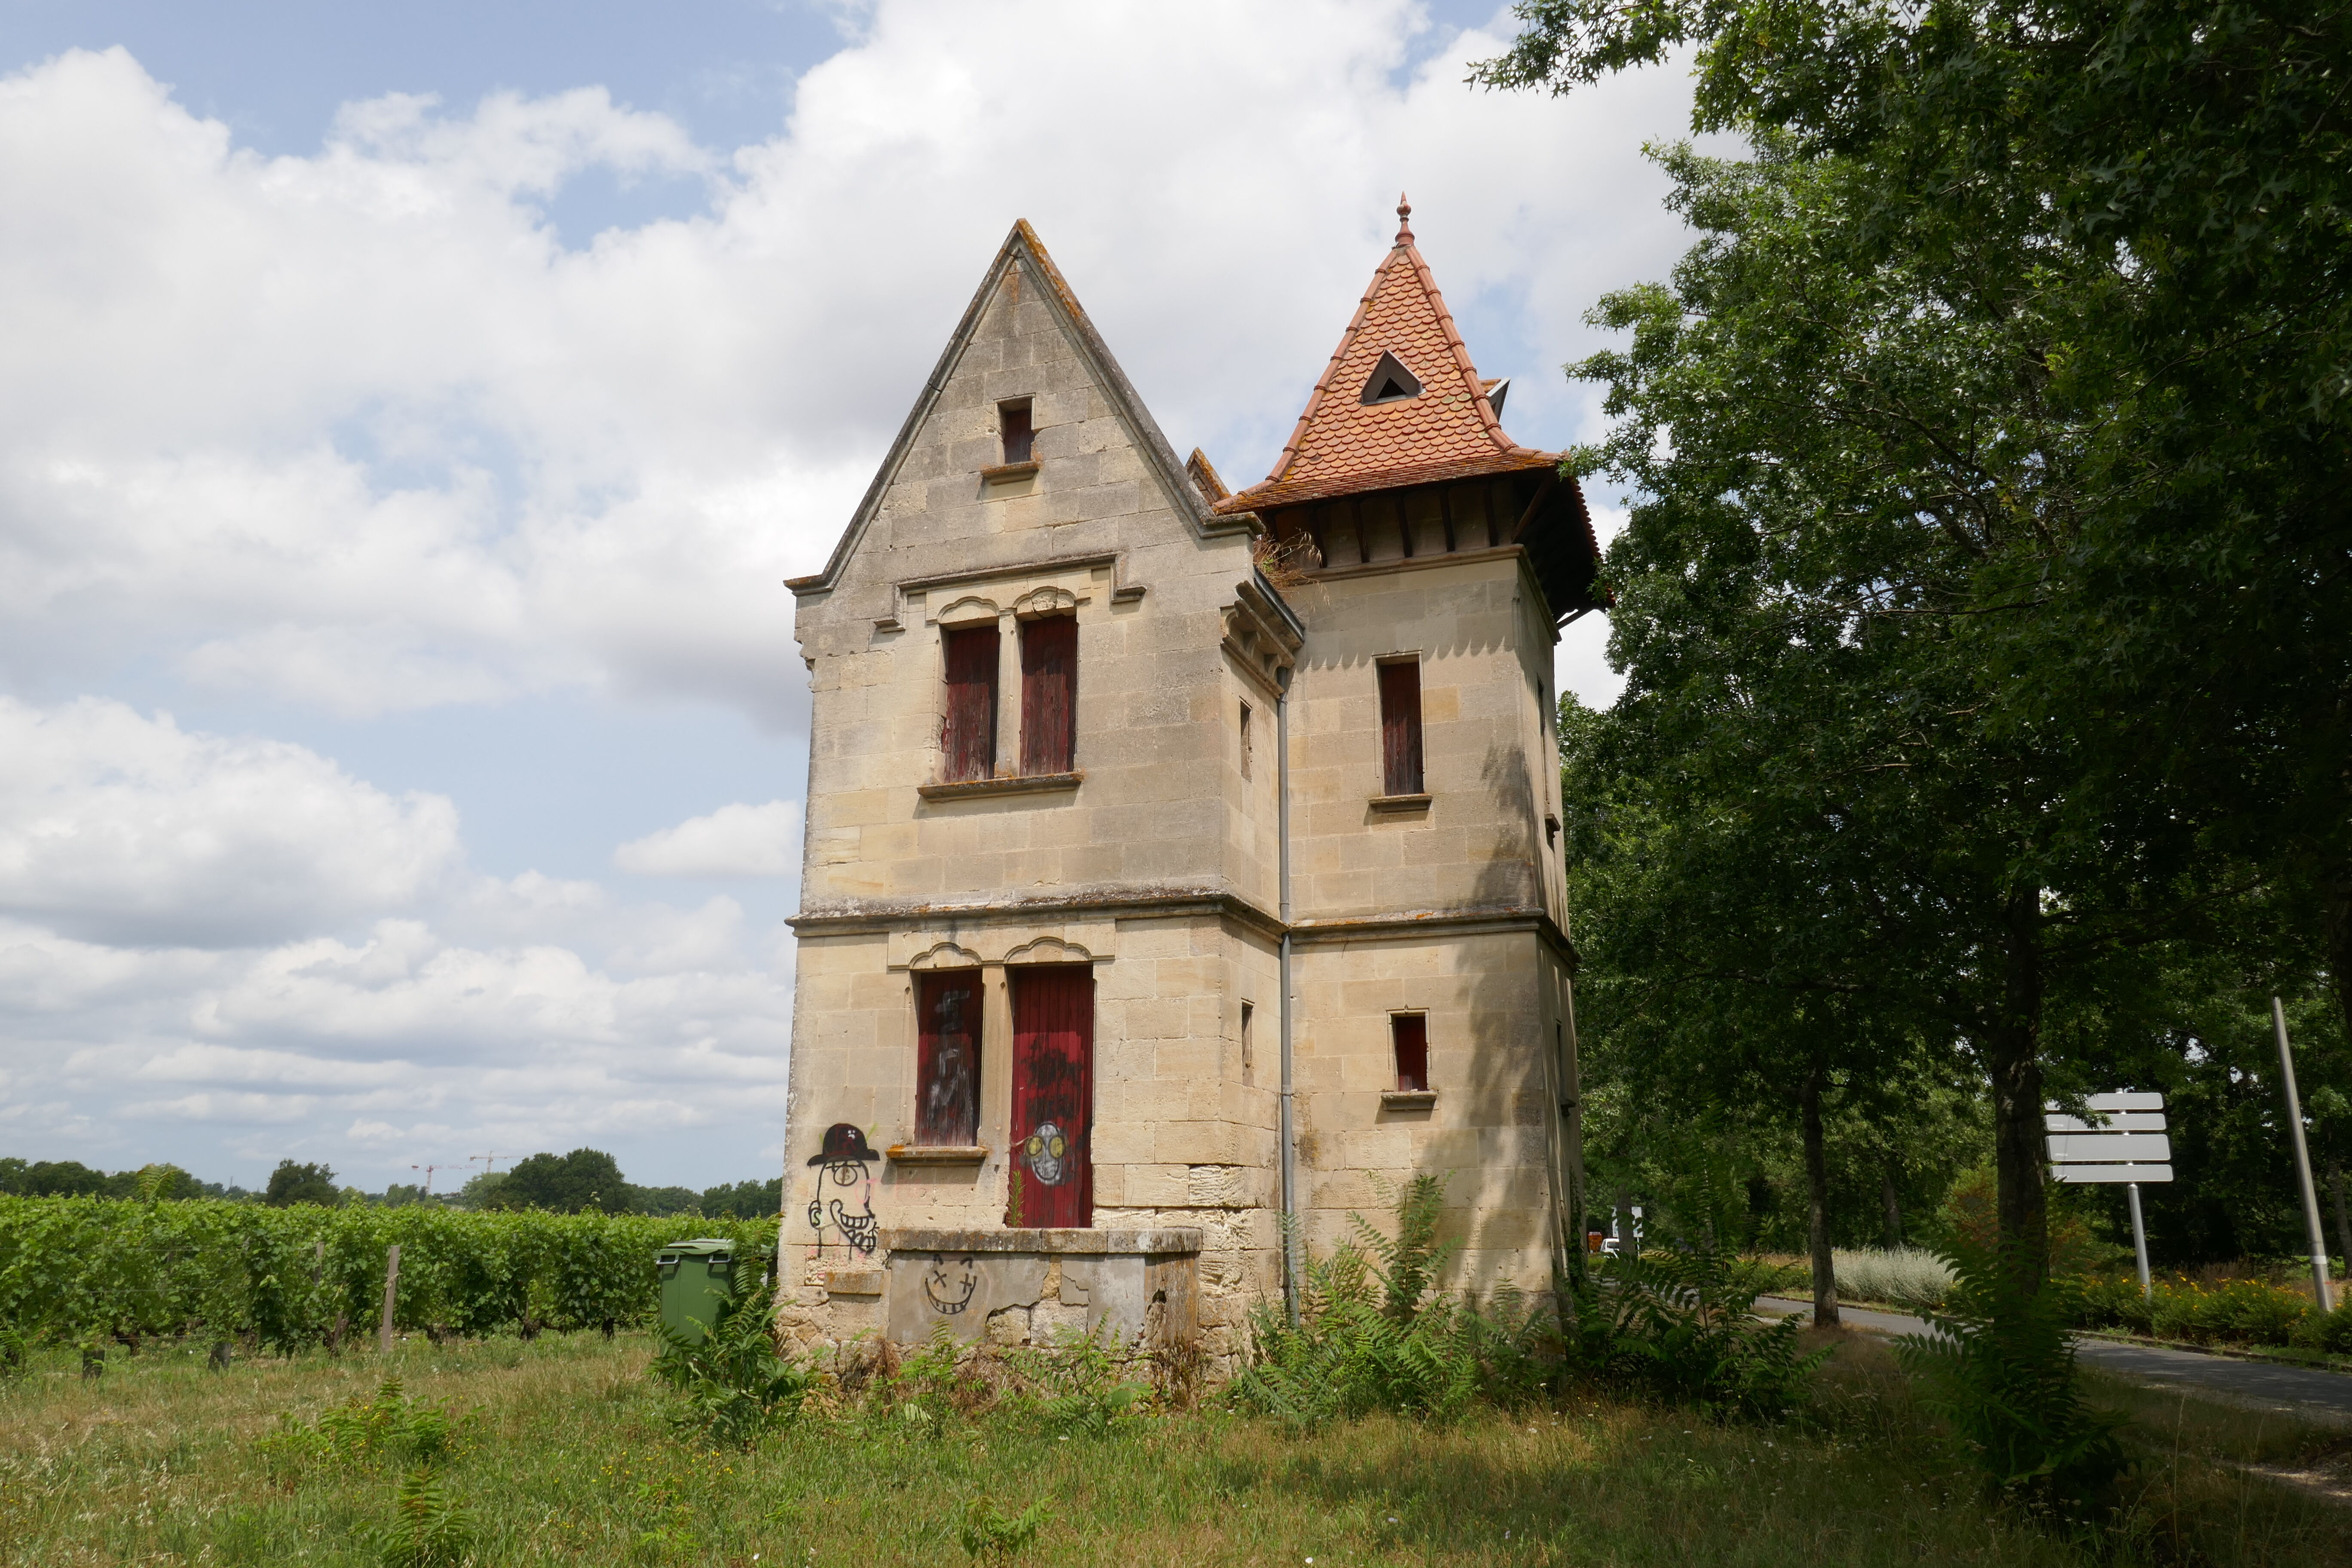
[(1404, 220)]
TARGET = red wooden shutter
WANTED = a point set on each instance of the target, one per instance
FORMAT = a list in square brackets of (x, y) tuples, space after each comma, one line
[(1012, 421), (1400, 727), (1410, 1035), (946, 1065), (1053, 1096), (967, 733), (1049, 692)]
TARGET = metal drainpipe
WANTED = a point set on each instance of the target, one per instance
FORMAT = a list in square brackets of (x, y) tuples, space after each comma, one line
[(1287, 1130)]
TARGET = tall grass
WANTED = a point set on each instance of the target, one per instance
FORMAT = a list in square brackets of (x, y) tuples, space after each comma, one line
[(569, 1458), (1902, 1277)]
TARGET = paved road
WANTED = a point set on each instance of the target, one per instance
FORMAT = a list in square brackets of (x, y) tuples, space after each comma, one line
[(2308, 1393)]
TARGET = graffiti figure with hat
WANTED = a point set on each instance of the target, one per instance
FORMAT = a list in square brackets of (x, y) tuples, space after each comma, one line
[(845, 1159)]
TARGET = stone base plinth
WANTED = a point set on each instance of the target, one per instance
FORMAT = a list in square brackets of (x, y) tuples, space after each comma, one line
[(1131, 1288)]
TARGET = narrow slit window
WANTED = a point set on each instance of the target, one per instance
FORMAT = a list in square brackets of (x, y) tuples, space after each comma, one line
[(1013, 425), (1400, 727), (968, 730), (947, 1064), (1246, 744), (1249, 1051), (1049, 693), (1410, 1033)]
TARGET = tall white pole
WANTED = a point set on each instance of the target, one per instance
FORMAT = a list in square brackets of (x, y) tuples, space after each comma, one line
[(2317, 1239), (2139, 1241)]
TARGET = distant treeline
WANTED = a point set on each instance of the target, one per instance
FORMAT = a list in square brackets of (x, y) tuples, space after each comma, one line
[(584, 1180)]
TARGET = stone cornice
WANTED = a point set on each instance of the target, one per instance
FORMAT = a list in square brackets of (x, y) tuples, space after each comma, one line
[(1143, 902)]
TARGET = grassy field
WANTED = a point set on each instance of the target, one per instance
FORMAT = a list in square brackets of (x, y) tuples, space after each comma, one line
[(566, 1457)]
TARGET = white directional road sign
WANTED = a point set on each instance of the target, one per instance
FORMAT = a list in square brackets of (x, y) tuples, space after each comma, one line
[(2123, 1139)]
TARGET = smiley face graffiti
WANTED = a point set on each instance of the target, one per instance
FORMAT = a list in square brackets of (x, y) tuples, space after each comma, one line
[(845, 1159), (949, 1284)]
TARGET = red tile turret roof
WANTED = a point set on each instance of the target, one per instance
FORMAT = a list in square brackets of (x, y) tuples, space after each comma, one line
[(1344, 446)]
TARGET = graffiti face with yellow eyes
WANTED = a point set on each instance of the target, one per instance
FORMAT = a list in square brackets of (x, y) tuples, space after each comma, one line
[(1047, 1151)]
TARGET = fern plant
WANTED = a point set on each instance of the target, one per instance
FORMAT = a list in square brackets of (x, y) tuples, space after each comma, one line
[(1374, 1333), (1680, 1325), (430, 1528), (733, 1384), (989, 1533), (367, 1431), (1998, 1367), (1077, 1385)]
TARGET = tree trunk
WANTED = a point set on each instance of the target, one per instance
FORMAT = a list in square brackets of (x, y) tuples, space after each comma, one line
[(1626, 1246), (2336, 901), (2013, 1054), (2336, 932), (1817, 1191), (2343, 1226), (1893, 1209)]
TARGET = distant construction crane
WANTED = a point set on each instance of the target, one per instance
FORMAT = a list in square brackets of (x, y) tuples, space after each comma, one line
[(428, 1171), (491, 1161)]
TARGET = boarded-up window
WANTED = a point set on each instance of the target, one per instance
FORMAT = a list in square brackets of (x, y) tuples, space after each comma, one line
[(1049, 694), (1013, 423), (1400, 726), (1410, 1032), (947, 1065), (968, 732)]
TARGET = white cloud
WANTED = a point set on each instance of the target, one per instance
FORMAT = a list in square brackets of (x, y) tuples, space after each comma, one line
[(130, 830), (736, 840), (358, 431)]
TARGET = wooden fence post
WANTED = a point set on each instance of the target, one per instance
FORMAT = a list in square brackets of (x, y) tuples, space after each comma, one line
[(390, 1292)]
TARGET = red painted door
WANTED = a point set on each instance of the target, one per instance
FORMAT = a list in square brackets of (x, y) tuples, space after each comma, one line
[(1053, 1096)]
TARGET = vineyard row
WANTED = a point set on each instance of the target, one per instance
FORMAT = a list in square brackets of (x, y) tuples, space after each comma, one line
[(89, 1270)]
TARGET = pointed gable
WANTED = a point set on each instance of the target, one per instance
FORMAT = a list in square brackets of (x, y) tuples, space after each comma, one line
[(1021, 269), (1366, 427)]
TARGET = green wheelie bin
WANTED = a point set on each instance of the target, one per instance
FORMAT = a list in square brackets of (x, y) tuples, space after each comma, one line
[(696, 1277)]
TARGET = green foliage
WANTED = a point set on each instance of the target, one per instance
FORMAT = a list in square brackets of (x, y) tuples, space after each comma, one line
[(76, 1270), (746, 1200), (1998, 1367), (732, 1383), (1079, 1385), (1681, 1326), (921, 1394), (430, 1528), (1990, 450), (1375, 1334), (2233, 1311), (989, 1534), (2328, 1331), (369, 1431), (291, 1183), (569, 1183)]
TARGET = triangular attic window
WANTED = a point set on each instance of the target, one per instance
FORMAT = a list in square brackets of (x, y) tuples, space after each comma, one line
[(1390, 382)]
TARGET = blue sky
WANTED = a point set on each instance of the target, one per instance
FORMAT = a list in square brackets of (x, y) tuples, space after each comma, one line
[(412, 411)]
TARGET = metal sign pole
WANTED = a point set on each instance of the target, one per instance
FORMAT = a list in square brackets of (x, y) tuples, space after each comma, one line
[(2302, 1163), (2139, 1240)]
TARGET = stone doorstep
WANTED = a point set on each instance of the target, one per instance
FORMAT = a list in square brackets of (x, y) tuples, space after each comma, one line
[(1174, 1241)]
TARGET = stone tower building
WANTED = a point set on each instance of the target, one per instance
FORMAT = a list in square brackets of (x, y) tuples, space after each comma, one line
[(1101, 756)]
